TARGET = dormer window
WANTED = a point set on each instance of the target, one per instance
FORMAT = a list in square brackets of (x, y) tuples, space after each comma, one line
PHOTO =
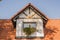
[(29, 23), (36, 24)]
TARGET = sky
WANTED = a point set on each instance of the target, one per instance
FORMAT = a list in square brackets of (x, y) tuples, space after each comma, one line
[(51, 8)]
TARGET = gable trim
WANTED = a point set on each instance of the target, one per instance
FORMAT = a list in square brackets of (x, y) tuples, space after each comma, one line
[(33, 8)]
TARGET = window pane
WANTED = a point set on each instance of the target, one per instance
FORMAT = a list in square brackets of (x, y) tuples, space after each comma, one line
[(31, 24), (26, 25)]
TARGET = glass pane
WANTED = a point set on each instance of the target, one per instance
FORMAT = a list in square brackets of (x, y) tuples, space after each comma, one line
[(26, 25), (31, 24)]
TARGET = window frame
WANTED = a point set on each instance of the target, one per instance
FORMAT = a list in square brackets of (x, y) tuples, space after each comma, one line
[(19, 27)]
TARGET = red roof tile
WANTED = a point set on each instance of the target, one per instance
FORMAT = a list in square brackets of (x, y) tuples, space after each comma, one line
[(52, 30)]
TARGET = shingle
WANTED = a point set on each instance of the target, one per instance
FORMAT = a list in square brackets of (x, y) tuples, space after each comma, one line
[(52, 30)]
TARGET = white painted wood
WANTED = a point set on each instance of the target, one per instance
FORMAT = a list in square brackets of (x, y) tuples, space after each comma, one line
[(39, 27), (26, 11), (29, 18), (22, 15), (25, 14), (36, 16)]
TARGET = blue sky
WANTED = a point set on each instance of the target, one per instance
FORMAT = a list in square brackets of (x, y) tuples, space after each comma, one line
[(51, 8)]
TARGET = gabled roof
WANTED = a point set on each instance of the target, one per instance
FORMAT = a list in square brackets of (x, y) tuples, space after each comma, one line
[(46, 18)]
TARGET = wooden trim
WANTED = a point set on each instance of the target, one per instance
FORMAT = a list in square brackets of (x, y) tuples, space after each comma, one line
[(33, 8)]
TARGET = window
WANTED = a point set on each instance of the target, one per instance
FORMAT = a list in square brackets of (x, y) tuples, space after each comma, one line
[(29, 24), (29, 27)]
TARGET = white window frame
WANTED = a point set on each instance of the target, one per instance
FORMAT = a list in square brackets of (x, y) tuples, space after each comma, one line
[(19, 32)]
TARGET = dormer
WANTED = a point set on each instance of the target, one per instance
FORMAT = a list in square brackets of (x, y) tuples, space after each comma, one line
[(29, 17)]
